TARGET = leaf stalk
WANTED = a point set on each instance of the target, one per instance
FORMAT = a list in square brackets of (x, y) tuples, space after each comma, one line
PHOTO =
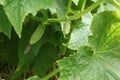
[(51, 74)]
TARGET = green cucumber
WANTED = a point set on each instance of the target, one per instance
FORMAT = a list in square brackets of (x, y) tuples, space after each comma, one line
[(38, 33), (66, 28)]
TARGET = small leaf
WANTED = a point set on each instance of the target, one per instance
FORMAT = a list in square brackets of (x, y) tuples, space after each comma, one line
[(38, 33), (106, 31), (25, 60)]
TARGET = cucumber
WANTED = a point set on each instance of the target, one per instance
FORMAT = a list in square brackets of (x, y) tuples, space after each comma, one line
[(66, 28), (38, 33)]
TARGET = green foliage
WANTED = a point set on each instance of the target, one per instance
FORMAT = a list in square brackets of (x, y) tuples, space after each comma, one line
[(100, 58), (61, 7), (5, 25), (59, 39), (10, 48), (80, 32), (16, 10)]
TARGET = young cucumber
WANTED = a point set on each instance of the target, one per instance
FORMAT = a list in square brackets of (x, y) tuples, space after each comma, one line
[(66, 28), (38, 33)]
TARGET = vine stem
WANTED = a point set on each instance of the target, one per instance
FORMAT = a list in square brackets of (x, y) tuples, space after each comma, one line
[(114, 3), (68, 8), (76, 16), (51, 74), (83, 5)]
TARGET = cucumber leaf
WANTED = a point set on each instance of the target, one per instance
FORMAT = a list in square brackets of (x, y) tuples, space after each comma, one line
[(16, 10), (80, 32), (100, 60), (5, 25), (61, 7)]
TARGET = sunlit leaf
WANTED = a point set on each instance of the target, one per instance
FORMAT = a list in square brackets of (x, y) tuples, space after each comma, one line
[(80, 33), (16, 10), (100, 60)]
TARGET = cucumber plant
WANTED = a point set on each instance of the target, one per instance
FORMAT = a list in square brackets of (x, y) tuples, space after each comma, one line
[(59, 39)]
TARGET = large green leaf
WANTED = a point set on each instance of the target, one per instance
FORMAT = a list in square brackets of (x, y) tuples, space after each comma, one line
[(23, 43), (106, 31), (61, 7), (28, 53), (101, 59), (16, 10), (45, 58), (80, 32), (9, 48), (5, 25)]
